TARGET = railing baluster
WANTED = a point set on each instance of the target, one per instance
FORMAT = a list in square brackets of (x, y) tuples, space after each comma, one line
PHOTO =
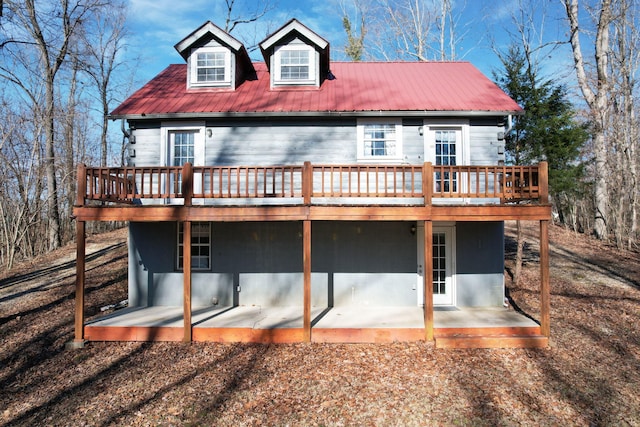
[(127, 184)]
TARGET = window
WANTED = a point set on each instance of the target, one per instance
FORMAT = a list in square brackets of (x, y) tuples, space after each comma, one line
[(182, 145), (439, 264), (295, 64), (211, 66), (200, 246), (446, 156), (379, 140)]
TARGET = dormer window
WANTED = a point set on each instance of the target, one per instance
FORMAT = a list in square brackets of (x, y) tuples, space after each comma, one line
[(211, 66), (295, 64), (215, 59)]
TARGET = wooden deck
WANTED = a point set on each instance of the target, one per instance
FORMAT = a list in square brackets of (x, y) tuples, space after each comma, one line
[(308, 193), (453, 328)]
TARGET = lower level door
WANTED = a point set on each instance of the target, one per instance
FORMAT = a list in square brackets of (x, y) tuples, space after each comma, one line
[(443, 262)]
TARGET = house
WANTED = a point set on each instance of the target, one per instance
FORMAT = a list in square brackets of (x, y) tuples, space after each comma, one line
[(323, 201)]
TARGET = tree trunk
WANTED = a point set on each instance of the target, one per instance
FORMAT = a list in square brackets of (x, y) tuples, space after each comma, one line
[(596, 101), (517, 270), (50, 166)]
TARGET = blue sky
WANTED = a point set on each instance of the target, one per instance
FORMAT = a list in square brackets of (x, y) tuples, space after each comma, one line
[(157, 25)]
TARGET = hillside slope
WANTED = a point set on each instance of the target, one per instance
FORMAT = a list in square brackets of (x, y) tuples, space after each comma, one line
[(589, 376)]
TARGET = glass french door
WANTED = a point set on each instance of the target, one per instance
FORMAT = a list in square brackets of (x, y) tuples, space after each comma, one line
[(185, 145), (442, 261)]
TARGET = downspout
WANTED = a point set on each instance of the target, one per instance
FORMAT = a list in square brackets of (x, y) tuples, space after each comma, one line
[(509, 124), (125, 136)]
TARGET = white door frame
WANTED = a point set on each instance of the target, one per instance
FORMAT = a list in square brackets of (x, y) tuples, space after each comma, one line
[(166, 153), (461, 127), (449, 231)]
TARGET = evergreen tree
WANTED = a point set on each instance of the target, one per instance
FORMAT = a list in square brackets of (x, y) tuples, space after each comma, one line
[(547, 131)]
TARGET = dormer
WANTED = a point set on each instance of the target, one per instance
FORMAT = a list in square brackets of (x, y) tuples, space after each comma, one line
[(215, 59), (296, 56)]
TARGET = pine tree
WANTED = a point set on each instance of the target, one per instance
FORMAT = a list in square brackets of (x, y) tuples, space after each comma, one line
[(547, 131)]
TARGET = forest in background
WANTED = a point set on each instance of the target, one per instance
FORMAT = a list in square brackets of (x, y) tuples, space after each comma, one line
[(64, 65)]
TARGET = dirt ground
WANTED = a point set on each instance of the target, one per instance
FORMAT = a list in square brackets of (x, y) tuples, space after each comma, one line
[(589, 376)]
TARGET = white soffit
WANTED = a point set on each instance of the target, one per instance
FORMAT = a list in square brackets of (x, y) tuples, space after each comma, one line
[(293, 25), (208, 27)]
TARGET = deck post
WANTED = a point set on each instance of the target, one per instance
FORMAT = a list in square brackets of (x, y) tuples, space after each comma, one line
[(427, 182), (545, 297), (186, 271), (543, 182), (306, 260), (307, 182), (78, 340), (187, 183), (81, 189), (428, 280)]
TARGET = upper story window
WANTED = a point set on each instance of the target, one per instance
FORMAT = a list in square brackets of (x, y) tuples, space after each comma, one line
[(295, 64), (379, 140), (211, 66)]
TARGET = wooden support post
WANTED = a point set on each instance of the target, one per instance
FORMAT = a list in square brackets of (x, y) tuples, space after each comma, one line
[(307, 182), (545, 292), (187, 183), (543, 182), (306, 260), (81, 189), (80, 268), (428, 280), (427, 182), (186, 272)]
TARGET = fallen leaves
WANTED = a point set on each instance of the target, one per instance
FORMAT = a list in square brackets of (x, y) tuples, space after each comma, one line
[(589, 376)]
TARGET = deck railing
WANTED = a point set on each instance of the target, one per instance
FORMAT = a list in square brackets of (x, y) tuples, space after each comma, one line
[(181, 185)]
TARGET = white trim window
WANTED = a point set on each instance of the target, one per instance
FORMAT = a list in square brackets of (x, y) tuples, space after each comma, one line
[(182, 146), (200, 246), (211, 66), (181, 143), (295, 64), (379, 140), (446, 142)]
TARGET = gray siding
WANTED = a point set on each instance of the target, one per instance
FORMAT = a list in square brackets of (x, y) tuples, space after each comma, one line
[(480, 264), (281, 143), (485, 147), (365, 264), (147, 147), (294, 141)]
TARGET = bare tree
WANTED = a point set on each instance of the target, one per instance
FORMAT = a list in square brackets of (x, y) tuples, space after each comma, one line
[(49, 29), (419, 30), (21, 175), (247, 15), (624, 59), (595, 93), (102, 45)]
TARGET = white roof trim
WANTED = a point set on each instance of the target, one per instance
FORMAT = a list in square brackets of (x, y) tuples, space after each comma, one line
[(217, 32), (293, 25)]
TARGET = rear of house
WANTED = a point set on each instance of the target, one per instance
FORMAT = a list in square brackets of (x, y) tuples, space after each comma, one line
[(323, 200)]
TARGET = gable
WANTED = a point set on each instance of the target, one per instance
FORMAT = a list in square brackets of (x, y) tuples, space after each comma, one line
[(296, 56), (214, 58)]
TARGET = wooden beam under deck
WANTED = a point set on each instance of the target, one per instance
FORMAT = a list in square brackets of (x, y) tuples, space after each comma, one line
[(313, 213)]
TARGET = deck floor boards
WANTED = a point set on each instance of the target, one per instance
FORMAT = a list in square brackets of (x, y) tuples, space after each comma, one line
[(321, 317)]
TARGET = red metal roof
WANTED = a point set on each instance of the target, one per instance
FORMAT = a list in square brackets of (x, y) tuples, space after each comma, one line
[(357, 87)]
